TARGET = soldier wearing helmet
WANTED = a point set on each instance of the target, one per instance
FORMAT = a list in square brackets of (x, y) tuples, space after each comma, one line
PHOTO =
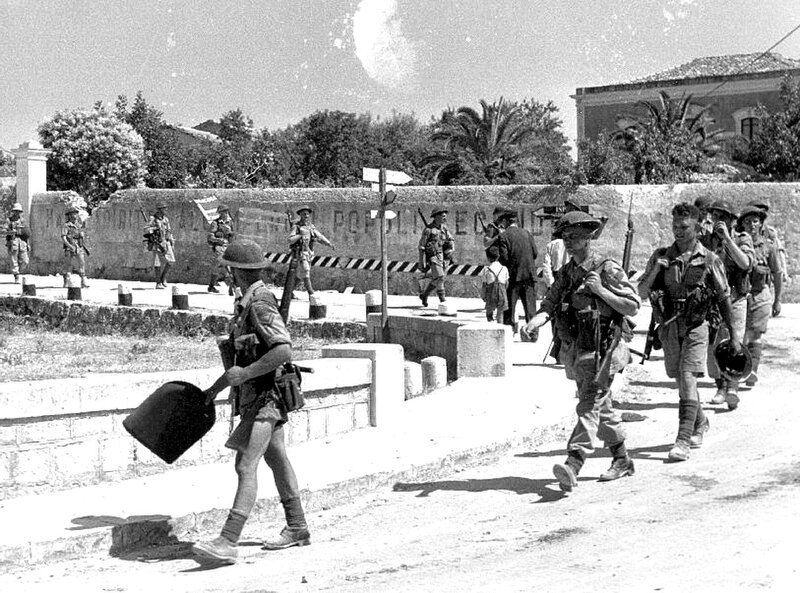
[(72, 238), (435, 248), (220, 235), (262, 345), (766, 285), (17, 245), (735, 249), (683, 281), (158, 234), (590, 299), (302, 238)]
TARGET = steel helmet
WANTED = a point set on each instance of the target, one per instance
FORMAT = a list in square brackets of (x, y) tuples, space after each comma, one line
[(734, 367), (245, 254)]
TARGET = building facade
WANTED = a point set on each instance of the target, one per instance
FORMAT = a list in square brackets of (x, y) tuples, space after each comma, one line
[(733, 86)]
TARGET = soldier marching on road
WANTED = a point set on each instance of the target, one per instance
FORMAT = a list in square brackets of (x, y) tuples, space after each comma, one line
[(735, 249), (683, 281), (435, 249), (161, 242), (17, 235), (73, 238), (302, 239), (766, 284), (590, 300), (220, 235)]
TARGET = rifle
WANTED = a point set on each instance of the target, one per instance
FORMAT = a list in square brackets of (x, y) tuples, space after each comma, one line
[(650, 339), (422, 216), (82, 245), (603, 369)]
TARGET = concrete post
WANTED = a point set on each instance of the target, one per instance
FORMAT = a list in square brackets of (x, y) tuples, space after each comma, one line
[(434, 373), (31, 162)]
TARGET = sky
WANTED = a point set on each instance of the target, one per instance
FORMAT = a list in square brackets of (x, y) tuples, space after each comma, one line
[(281, 60)]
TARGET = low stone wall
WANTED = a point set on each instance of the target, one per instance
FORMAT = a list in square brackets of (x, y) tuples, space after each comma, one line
[(343, 215), (470, 349), (92, 319), (59, 434)]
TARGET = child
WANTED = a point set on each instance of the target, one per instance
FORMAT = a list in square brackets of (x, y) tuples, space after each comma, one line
[(495, 280)]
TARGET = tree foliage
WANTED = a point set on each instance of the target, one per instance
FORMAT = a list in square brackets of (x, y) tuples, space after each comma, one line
[(775, 149), (93, 152), (506, 142)]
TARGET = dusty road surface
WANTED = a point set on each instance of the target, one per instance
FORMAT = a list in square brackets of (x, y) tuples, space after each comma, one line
[(726, 520)]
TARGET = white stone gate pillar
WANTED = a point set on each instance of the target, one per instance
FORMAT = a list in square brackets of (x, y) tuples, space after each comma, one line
[(31, 161)]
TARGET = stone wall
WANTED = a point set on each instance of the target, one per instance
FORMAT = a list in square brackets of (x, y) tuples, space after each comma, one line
[(115, 228), (68, 432)]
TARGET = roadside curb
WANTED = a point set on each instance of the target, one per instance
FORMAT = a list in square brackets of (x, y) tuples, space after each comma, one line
[(122, 536)]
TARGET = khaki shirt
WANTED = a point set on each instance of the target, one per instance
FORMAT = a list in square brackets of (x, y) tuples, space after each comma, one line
[(734, 273), (73, 234), (436, 237), (309, 235)]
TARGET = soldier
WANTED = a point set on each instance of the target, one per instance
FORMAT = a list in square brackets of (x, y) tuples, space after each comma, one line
[(302, 238), (262, 345), (493, 230), (772, 234), (17, 236), (220, 235), (161, 242), (73, 237), (767, 271), (683, 281), (735, 249), (706, 224), (435, 249), (590, 298)]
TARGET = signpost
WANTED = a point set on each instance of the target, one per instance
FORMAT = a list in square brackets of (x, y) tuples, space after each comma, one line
[(379, 179)]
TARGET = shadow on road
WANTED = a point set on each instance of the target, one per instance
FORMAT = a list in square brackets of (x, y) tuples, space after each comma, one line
[(513, 484)]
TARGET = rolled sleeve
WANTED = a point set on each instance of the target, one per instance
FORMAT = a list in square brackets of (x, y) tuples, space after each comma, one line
[(269, 325)]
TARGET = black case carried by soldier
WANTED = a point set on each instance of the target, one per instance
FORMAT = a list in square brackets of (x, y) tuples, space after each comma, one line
[(172, 419)]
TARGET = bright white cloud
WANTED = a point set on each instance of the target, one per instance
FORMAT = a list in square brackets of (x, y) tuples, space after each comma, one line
[(386, 54)]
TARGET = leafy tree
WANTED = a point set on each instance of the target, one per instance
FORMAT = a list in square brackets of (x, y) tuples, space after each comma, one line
[(165, 159), (506, 142), (8, 167), (668, 144), (775, 150), (236, 127), (93, 153), (602, 161)]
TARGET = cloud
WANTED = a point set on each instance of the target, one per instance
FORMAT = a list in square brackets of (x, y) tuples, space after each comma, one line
[(387, 56)]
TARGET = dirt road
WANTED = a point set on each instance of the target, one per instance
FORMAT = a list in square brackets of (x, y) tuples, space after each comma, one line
[(726, 520)]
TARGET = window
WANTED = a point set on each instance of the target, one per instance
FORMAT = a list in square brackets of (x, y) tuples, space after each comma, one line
[(749, 127)]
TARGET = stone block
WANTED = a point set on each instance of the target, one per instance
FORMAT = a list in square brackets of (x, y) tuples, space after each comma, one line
[(77, 460), (484, 350), (297, 427), (116, 455), (91, 425), (340, 419), (434, 373), (317, 424), (413, 379), (43, 432), (32, 466), (7, 459), (361, 414), (388, 386)]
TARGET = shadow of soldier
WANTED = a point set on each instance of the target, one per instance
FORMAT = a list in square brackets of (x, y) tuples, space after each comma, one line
[(514, 484)]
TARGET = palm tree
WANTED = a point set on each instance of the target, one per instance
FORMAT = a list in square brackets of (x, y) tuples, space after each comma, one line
[(478, 147)]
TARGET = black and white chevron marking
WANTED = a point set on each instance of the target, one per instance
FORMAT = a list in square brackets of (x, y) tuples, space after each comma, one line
[(373, 265)]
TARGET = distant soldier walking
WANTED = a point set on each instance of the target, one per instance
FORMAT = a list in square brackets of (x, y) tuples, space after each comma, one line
[(590, 298), (435, 249), (683, 281), (73, 238), (735, 249), (17, 235), (220, 235), (302, 239), (161, 242)]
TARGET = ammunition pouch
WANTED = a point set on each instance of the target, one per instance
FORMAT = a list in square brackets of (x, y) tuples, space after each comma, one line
[(288, 380), (431, 249), (696, 307), (760, 278), (657, 303)]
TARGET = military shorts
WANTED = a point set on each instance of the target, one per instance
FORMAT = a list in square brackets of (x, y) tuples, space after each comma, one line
[(759, 310), (160, 259), (303, 269), (263, 409), (687, 354)]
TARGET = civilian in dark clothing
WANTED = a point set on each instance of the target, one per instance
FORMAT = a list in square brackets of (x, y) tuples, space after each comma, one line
[(518, 253)]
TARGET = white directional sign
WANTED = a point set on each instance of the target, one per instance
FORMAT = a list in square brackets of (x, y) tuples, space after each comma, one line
[(376, 187), (387, 214), (394, 177)]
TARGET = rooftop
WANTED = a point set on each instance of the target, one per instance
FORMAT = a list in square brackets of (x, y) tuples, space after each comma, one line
[(724, 66)]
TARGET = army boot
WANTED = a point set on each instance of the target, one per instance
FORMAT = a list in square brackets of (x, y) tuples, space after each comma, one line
[(218, 549), (83, 282), (289, 536), (732, 395), (567, 473), (719, 396)]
